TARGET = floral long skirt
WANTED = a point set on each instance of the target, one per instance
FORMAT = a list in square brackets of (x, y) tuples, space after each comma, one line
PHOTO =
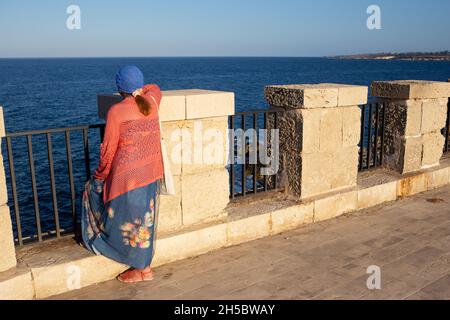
[(123, 229)]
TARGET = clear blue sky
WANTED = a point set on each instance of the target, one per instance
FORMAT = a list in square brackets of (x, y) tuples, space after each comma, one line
[(37, 28)]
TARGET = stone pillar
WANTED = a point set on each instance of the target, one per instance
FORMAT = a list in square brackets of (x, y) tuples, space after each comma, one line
[(195, 129), (415, 115), (8, 252), (319, 135)]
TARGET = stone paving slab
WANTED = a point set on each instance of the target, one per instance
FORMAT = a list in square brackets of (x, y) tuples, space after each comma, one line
[(409, 240)]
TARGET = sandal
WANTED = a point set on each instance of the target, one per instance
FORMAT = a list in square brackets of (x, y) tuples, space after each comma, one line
[(135, 276)]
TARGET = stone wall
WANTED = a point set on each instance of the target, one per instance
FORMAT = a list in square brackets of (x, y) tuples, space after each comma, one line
[(195, 128), (416, 112), (8, 255), (319, 135)]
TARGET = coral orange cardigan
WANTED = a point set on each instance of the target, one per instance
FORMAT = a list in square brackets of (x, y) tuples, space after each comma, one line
[(130, 155)]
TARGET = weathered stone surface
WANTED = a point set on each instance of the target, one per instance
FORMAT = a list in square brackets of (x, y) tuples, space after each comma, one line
[(173, 106), (330, 129), (310, 129), (416, 112), (327, 171), (316, 174), (412, 185), (410, 89), (204, 196), (434, 115), (438, 178), (205, 145), (248, 229), (351, 126), (172, 135), (306, 96), (190, 244), (8, 252), (3, 188), (324, 163), (404, 117), (196, 145), (57, 278), (412, 154), (170, 214), (412, 134), (291, 140), (2, 124), (336, 205), (413, 125), (344, 168), (292, 217), (403, 142), (433, 148), (350, 95), (325, 131), (208, 104), (370, 197), (322, 95), (16, 284)]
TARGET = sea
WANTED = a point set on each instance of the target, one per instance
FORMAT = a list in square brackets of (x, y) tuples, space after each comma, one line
[(56, 93)]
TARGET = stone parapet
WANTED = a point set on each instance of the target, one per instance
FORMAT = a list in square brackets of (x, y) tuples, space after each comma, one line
[(8, 255), (416, 112), (2, 124), (319, 135), (311, 96), (3, 188), (410, 89)]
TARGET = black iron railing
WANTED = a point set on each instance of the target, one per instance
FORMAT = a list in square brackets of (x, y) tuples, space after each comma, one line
[(373, 120), (447, 130), (57, 227), (257, 132)]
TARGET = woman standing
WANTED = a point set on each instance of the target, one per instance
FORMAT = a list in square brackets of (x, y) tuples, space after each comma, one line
[(120, 202)]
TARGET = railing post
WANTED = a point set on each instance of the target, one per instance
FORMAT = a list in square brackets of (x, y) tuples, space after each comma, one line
[(8, 253), (415, 115), (320, 132)]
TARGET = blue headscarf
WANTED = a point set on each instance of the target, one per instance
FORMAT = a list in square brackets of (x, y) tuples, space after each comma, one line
[(129, 79)]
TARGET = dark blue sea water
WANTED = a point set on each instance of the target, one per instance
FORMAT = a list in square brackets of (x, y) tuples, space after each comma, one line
[(49, 93)]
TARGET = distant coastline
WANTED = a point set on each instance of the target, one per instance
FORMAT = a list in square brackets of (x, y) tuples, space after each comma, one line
[(409, 56)]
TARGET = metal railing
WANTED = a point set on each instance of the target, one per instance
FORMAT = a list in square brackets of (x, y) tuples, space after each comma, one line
[(373, 120), (447, 130), (54, 229), (245, 177)]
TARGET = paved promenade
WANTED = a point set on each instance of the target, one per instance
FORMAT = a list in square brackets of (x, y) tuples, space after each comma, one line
[(409, 240)]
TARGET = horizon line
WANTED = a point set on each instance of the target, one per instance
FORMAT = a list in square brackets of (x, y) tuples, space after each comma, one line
[(217, 56), (166, 57)]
